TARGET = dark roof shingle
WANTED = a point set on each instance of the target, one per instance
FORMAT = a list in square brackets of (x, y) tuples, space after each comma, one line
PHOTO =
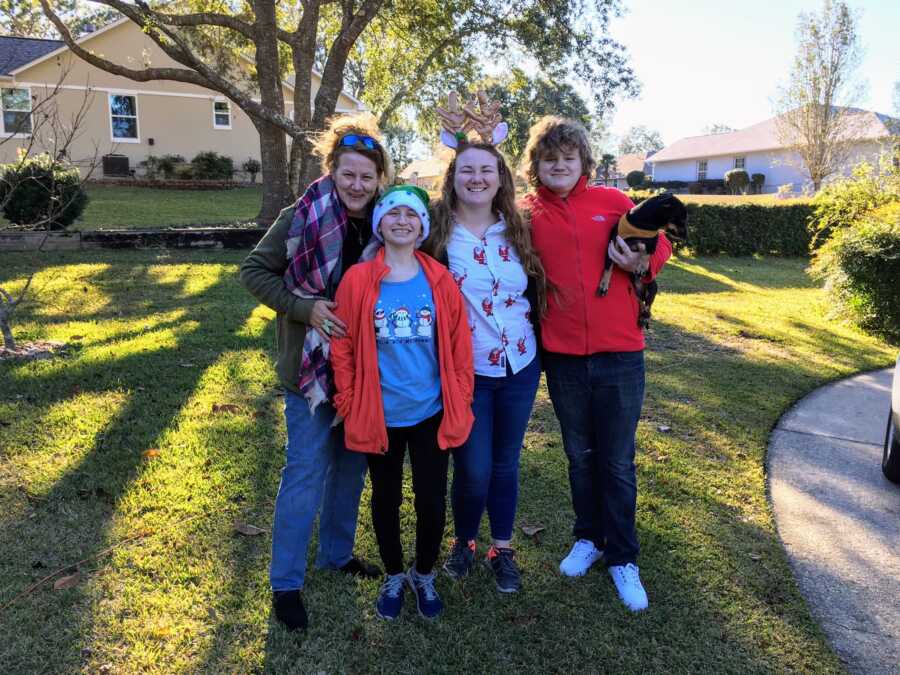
[(17, 51)]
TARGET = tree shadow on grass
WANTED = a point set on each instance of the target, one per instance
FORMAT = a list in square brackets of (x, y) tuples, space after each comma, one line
[(72, 517)]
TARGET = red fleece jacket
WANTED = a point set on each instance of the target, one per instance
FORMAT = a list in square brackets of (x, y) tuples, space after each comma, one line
[(571, 236), (354, 357)]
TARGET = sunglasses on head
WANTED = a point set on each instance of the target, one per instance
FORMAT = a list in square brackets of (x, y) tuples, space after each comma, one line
[(352, 140)]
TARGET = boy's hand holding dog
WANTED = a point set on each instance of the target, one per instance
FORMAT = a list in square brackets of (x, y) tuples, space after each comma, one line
[(628, 260)]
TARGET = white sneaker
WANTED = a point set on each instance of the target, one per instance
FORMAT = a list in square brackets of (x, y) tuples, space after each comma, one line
[(628, 583), (580, 558)]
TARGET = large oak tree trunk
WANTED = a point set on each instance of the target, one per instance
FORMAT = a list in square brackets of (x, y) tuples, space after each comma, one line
[(274, 162), (272, 141)]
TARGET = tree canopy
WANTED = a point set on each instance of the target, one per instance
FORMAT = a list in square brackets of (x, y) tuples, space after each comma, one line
[(639, 140), (815, 117), (523, 100), (395, 55)]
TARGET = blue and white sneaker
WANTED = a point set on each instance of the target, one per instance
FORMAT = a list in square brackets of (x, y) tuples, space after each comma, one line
[(628, 583), (390, 597), (428, 602)]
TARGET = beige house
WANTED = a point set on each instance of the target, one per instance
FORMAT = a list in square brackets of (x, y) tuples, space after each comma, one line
[(121, 116), (426, 173)]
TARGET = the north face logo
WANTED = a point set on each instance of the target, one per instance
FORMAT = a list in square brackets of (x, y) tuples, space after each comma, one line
[(599, 219)]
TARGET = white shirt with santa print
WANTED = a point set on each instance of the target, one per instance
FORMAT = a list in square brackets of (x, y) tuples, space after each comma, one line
[(489, 274)]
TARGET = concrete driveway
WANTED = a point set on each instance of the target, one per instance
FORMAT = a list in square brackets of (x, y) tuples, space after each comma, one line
[(839, 518)]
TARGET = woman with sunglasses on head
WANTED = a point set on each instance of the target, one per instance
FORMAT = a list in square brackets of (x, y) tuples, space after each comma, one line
[(479, 233), (295, 269)]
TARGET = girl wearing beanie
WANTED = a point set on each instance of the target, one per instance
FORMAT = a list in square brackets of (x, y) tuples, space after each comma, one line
[(404, 378)]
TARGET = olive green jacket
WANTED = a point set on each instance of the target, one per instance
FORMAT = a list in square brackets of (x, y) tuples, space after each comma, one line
[(262, 273)]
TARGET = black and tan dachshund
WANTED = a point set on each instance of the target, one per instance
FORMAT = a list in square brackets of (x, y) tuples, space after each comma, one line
[(642, 225)]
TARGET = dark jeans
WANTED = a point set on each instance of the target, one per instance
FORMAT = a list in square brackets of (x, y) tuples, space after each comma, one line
[(597, 399), (486, 468), (429, 479)]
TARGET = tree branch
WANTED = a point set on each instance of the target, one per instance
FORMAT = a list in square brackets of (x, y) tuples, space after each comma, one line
[(197, 73)]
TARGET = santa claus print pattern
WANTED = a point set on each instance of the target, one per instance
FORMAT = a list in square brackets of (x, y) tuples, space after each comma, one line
[(488, 272)]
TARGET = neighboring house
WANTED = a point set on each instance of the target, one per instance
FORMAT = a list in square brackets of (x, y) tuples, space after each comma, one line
[(129, 118), (426, 173), (625, 164), (757, 149)]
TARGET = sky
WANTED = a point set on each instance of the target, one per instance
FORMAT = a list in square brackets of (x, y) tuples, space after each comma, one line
[(703, 62)]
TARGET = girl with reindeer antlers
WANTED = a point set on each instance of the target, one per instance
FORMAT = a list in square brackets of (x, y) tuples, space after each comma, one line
[(478, 232)]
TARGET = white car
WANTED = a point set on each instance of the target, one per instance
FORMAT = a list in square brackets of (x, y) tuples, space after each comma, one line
[(890, 463)]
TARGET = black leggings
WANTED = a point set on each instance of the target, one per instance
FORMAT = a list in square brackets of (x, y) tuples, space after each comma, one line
[(429, 477)]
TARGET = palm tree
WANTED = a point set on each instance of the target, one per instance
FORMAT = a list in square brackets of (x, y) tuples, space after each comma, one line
[(606, 165)]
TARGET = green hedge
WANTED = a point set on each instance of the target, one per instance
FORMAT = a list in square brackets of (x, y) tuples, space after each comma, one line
[(748, 229), (860, 264), (744, 229)]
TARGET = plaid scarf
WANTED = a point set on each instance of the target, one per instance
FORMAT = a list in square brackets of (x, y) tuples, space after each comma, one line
[(314, 245)]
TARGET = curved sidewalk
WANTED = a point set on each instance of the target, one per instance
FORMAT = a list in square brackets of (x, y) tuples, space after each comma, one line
[(839, 517)]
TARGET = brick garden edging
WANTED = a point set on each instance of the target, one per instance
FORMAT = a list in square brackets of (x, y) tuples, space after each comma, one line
[(192, 238), (173, 183)]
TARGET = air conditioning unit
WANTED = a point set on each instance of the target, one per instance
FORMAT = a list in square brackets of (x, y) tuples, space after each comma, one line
[(116, 165)]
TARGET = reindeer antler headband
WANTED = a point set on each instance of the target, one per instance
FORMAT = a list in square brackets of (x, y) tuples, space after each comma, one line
[(481, 115)]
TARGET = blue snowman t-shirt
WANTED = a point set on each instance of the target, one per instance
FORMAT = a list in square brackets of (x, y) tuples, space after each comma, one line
[(407, 357)]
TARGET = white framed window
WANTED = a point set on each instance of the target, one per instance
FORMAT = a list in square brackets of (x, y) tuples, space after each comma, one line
[(221, 114), (123, 118), (740, 162), (16, 107), (701, 169)]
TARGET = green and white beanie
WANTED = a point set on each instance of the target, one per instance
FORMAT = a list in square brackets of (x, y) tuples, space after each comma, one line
[(402, 195)]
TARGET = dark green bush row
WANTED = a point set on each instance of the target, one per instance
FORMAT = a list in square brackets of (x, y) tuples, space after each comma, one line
[(748, 229), (745, 229), (204, 166), (41, 193)]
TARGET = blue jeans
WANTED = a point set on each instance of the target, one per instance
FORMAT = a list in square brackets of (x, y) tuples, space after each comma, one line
[(598, 399), (486, 468), (319, 471)]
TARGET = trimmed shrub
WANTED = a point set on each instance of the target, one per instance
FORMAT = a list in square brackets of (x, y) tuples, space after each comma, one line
[(635, 179), (151, 167), (167, 164), (757, 180), (41, 193), (211, 165), (736, 181), (743, 229), (860, 264), (667, 185), (253, 167), (184, 171), (844, 202)]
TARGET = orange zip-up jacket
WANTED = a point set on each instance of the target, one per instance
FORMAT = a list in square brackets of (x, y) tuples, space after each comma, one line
[(354, 357), (571, 236)]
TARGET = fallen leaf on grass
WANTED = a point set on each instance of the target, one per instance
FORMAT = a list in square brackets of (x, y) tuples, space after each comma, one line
[(531, 530), (524, 619), (226, 407), (152, 453), (76, 337), (67, 582), (246, 529)]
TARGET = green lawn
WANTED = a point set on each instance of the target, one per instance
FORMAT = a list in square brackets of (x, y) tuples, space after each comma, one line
[(160, 340), (117, 207)]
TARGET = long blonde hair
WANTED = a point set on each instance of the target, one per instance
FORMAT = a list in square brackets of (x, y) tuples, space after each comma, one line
[(518, 229)]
